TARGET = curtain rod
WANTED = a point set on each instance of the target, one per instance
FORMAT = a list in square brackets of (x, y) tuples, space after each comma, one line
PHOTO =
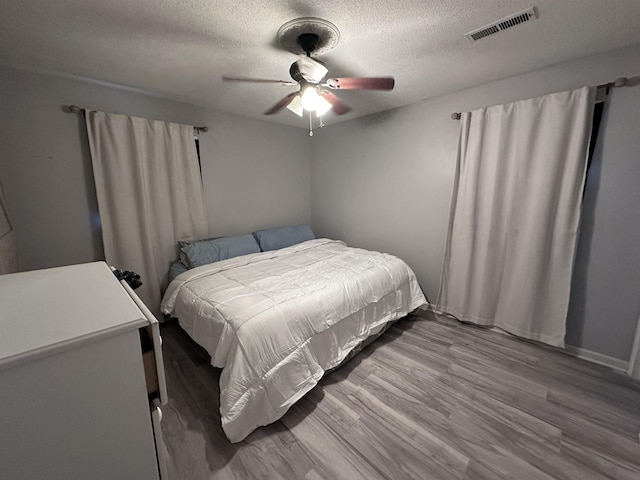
[(618, 82), (77, 109)]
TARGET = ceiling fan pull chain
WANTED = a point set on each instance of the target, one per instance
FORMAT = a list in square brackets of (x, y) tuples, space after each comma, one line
[(310, 125)]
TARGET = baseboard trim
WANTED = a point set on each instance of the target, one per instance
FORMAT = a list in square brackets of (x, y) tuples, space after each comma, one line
[(582, 353), (599, 358)]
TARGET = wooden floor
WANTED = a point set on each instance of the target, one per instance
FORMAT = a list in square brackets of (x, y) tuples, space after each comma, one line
[(430, 399)]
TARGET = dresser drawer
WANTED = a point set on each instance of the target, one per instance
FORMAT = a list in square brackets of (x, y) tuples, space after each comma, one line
[(151, 345), (151, 373)]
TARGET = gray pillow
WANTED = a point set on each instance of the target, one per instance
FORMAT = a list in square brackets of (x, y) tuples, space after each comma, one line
[(281, 237), (203, 252)]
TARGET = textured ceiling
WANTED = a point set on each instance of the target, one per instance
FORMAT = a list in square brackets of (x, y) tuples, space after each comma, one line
[(180, 49)]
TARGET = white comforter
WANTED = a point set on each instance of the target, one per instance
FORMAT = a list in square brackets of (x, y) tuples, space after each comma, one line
[(275, 321)]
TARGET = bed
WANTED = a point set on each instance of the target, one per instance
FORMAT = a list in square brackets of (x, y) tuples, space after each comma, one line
[(275, 321)]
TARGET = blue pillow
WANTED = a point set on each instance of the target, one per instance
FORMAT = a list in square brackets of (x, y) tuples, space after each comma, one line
[(281, 237), (176, 269), (213, 250)]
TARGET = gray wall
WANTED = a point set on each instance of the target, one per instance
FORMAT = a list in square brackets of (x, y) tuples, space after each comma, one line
[(384, 182), (381, 182), (255, 174)]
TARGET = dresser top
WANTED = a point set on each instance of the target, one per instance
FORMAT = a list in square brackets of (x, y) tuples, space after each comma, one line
[(44, 311)]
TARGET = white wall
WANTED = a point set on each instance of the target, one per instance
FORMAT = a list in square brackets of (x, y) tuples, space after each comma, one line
[(384, 182), (255, 174)]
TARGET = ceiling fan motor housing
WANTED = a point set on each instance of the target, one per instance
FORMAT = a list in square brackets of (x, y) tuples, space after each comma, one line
[(308, 42), (294, 71)]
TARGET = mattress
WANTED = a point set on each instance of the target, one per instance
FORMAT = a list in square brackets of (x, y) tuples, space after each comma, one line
[(276, 321)]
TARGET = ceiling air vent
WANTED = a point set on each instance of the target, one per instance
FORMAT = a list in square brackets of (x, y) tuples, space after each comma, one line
[(507, 22)]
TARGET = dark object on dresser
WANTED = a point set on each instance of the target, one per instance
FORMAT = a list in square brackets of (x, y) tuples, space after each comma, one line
[(132, 278)]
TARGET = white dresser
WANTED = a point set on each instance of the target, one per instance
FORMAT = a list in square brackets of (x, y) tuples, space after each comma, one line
[(80, 383)]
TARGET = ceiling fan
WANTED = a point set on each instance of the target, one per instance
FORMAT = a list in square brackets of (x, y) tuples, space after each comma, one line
[(307, 36)]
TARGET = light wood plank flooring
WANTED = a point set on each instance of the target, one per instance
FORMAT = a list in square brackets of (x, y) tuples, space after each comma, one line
[(430, 399)]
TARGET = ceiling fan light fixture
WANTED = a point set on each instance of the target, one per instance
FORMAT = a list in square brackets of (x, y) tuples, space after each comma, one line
[(310, 99), (322, 106), (295, 106)]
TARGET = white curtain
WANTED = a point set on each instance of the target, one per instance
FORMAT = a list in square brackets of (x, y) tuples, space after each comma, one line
[(515, 213), (8, 254), (149, 194)]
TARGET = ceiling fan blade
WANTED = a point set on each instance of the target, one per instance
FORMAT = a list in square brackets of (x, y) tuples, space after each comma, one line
[(257, 80), (338, 105), (311, 70), (366, 83), (281, 104)]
